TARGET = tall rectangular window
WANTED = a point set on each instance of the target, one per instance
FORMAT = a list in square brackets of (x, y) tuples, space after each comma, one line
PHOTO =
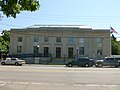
[(19, 49), (99, 40), (81, 42), (46, 39), (70, 40), (58, 39), (36, 38), (99, 46), (19, 39)]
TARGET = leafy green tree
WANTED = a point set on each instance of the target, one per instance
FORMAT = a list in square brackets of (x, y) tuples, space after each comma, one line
[(6, 35), (5, 41), (13, 7), (115, 45)]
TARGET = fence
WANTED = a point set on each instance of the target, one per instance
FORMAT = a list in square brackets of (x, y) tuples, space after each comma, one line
[(41, 59)]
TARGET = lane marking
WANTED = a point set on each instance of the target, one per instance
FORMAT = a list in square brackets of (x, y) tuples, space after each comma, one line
[(59, 84), (34, 83), (25, 83), (92, 85), (46, 84), (78, 85), (95, 85), (2, 83)]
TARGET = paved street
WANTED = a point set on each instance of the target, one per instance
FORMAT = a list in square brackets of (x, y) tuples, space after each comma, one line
[(43, 77)]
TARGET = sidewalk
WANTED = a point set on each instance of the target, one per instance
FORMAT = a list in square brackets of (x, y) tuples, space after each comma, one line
[(41, 65)]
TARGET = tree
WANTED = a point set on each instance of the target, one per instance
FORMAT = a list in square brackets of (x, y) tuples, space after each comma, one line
[(6, 35), (115, 45), (5, 41), (13, 7)]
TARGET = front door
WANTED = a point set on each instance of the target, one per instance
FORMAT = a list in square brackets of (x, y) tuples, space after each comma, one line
[(36, 50), (70, 52), (46, 51), (58, 52)]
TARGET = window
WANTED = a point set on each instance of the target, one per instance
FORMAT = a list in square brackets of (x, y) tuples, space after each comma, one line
[(109, 59), (36, 38), (19, 49), (70, 40), (99, 46), (81, 50), (58, 39), (99, 40), (13, 59), (19, 39), (46, 39), (81, 42)]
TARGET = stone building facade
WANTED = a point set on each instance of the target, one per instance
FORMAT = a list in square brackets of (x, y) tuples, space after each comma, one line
[(61, 41)]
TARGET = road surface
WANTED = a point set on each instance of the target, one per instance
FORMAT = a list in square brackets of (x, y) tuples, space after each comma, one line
[(43, 77)]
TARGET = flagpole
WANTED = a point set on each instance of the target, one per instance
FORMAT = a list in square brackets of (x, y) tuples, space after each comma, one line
[(113, 30), (110, 29)]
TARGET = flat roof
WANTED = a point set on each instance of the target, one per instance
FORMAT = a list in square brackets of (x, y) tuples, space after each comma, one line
[(65, 26), (37, 26)]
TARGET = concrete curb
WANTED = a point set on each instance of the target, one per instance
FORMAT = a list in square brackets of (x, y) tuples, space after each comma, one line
[(41, 65)]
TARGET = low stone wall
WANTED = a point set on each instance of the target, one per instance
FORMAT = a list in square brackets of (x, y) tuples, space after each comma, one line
[(46, 60), (38, 60)]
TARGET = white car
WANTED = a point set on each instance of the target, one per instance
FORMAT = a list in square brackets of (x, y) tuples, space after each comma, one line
[(13, 61)]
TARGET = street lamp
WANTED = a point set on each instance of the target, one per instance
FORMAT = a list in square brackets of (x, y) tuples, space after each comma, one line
[(77, 51), (38, 48)]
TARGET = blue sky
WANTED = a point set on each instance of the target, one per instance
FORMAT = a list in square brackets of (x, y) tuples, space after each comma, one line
[(93, 13)]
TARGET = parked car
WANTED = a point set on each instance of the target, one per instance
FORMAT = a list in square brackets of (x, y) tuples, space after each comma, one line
[(108, 61), (13, 61), (83, 62)]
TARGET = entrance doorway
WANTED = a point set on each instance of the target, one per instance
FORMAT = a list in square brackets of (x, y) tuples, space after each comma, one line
[(46, 51), (58, 52), (70, 52)]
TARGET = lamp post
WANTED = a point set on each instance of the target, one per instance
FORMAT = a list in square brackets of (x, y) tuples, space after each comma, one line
[(38, 48), (77, 52)]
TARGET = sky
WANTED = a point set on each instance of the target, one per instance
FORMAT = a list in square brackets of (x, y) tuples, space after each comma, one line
[(94, 13)]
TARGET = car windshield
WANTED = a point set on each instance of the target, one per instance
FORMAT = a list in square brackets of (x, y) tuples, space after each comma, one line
[(13, 59), (109, 58)]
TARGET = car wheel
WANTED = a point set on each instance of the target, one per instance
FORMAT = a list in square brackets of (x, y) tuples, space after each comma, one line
[(116, 66), (86, 65), (2, 63), (70, 65), (100, 65), (96, 65), (20, 64), (16, 64)]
